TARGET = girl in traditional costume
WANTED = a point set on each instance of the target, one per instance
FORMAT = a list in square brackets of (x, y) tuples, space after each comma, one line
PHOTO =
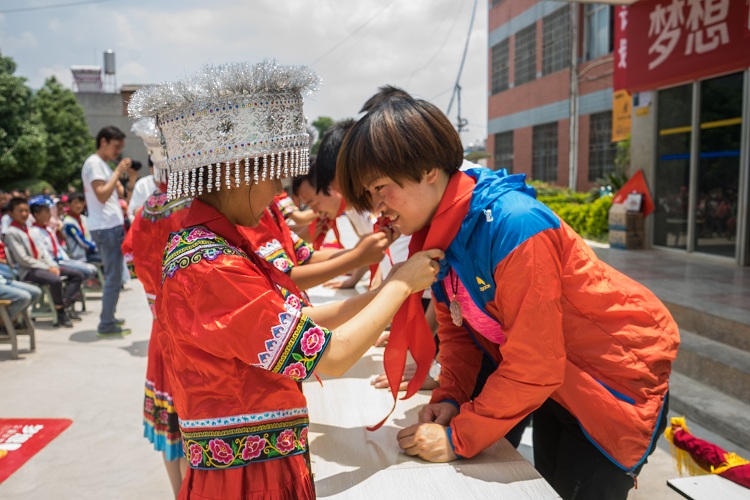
[(143, 249), (240, 338), (585, 346)]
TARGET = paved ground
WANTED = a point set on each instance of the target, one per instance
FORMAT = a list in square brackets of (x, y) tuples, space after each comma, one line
[(99, 385)]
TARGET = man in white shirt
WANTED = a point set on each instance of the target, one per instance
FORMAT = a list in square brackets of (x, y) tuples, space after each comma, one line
[(101, 186), (143, 189)]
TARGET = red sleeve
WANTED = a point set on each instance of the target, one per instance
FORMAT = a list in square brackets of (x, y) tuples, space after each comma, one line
[(528, 304), (236, 315), (460, 360)]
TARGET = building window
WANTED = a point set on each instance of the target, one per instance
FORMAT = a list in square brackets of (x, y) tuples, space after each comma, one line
[(525, 55), (500, 67), (599, 30), (556, 41), (601, 148), (504, 151), (544, 152)]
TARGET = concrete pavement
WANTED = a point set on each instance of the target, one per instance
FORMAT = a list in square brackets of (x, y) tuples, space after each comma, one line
[(99, 385)]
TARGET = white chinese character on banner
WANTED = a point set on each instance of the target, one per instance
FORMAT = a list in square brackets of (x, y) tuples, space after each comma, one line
[(32, 429), (706, 22), (623, 18), (18, 438), (622, 50), (666, 24)]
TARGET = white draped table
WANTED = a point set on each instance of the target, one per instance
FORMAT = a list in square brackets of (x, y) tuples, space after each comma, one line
[(350, 462)]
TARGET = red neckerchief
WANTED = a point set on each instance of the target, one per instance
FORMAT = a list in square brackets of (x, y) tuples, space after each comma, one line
[(80, 223), (380, 223), (202, 214), (286, 233), (329, 224), (25, 229), (49, 235), (409, 329)]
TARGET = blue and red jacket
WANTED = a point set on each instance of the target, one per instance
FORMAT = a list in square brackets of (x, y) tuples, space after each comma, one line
[(573, 328)]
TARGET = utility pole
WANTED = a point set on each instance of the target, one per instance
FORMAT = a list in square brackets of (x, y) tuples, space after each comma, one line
[(573, 135), (461, 123)]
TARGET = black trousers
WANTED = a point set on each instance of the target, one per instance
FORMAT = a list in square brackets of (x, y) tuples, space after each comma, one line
[(574, 467), (60, 297)]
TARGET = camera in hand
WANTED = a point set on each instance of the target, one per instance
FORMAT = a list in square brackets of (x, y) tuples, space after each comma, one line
[(136, 165)]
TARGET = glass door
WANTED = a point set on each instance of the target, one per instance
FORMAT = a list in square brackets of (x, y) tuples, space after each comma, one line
[(715, 230), (672, 173)]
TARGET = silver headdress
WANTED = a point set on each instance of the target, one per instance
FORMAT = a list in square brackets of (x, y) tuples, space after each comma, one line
[(230, 117), (145, 128)]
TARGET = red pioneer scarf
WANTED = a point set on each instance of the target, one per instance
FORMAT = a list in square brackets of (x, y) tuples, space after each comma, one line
[(286, 234), (409, 329), (328, 225), (202, 214), (52, 238), (379, 224), (25, 229)]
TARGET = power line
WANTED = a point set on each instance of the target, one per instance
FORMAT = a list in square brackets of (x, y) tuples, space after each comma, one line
[(445, 40), (347, 37), (46, 7)]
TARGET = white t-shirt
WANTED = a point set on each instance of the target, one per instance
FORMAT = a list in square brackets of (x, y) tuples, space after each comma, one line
[(143, 189), (361, 222), (101, 215)]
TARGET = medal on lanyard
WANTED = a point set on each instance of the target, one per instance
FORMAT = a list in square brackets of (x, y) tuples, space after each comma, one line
[(455, 307)]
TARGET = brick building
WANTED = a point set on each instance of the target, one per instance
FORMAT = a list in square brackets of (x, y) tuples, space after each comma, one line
[(529, 87)]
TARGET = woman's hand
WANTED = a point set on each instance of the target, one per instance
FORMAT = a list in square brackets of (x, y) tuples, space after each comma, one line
[(420, 271)]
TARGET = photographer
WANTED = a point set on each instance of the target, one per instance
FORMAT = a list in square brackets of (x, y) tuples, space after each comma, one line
[(101, 186), (144, 188)]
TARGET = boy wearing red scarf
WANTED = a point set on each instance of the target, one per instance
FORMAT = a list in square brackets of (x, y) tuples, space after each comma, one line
[(583, 346), (37, 265)]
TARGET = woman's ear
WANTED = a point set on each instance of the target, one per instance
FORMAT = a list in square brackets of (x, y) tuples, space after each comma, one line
[(431, 176)]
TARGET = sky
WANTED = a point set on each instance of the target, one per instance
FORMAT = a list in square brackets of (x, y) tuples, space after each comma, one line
[(355, 46)]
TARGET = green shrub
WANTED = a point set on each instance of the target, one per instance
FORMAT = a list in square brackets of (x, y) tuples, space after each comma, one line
[(586, 216)]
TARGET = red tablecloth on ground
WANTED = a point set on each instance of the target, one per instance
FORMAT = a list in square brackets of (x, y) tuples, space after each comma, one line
[(22, 438)]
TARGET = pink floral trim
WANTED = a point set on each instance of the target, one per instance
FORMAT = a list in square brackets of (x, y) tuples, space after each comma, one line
[(196, 454), (221, 451), (303, 437), (312, 341), (253, 447), (296, 371), (285, 441)]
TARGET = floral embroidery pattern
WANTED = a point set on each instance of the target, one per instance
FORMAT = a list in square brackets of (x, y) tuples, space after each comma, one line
[(192, 245), (157, 207), (313, 341), (254, 447), (296, 343), (296, 370), (221, 452), (273, 253), (236, 447), (303, 437), (196, 454), (302, 249), (160, 421)]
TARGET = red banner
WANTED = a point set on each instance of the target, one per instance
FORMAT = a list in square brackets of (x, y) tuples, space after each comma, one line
[(22, 438), (621, 47), (674, 41)]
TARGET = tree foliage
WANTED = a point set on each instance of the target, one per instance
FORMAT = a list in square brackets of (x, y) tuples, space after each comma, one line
[(322, 123), (68, 139), (43, 135)]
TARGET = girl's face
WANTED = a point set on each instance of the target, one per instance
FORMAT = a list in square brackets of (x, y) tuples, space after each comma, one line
[(412, 205), (245, 205)]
